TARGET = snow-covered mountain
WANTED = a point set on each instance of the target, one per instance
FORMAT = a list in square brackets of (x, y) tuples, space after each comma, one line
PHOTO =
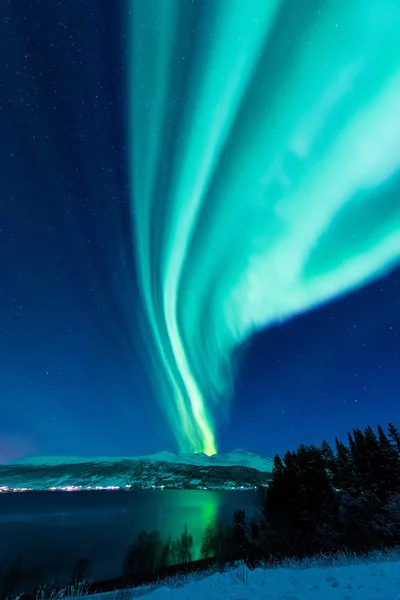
[(236, 458), (237, 469)]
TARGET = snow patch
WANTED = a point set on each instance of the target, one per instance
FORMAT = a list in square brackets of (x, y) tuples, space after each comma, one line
[(345, 578)]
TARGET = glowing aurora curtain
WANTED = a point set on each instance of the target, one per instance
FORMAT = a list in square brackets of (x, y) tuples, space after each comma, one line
[(264, 162)]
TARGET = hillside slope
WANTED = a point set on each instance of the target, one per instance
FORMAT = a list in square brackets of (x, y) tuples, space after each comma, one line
[(237, 469)]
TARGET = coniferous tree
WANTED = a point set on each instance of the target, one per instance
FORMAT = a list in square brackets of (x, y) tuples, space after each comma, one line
[(394, 435), (278, 471), (392, 514), (373, 462), (354, 458), (330, 460), (389, 466), (383, 439), (255, 533), (278, 467), (319, 500), (344, 479), (301, 503), (240, 536), (359, 452), (361, 521)]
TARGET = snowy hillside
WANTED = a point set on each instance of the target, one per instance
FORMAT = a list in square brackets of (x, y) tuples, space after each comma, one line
[(362, 581), (236, 458), (167, 470)]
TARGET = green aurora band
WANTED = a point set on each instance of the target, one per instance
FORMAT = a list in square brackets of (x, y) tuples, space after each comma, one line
[(265, 173)]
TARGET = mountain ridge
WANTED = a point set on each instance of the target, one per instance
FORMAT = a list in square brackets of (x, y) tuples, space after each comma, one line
[(237, 457), (164, 470)]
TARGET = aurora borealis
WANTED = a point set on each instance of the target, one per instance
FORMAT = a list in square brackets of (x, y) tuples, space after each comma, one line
[(199, 224), (264, 158)]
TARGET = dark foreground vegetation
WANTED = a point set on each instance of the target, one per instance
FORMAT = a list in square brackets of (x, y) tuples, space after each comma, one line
[(319, 501)]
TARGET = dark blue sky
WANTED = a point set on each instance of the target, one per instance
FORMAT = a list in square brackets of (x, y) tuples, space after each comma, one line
[(72, 379)]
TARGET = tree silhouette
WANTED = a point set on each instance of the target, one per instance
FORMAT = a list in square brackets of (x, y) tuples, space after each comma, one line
[(394, 435), (320, 499), (240, 534)]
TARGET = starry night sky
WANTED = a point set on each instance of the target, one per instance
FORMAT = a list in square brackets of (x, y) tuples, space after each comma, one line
[(73, 379)]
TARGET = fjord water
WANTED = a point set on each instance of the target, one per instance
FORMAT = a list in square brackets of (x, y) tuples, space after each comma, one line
[(50, 531)]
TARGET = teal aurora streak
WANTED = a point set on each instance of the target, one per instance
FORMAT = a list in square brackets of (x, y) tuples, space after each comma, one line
[(264, 164)]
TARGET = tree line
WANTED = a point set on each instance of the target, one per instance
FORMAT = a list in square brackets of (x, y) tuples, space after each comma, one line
[(319, 500), (325, 500)]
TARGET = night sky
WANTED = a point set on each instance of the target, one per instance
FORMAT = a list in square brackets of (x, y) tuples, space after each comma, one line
[(75, 376)]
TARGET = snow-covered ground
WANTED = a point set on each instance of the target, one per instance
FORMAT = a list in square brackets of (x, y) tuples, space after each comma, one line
[(375, 579)]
